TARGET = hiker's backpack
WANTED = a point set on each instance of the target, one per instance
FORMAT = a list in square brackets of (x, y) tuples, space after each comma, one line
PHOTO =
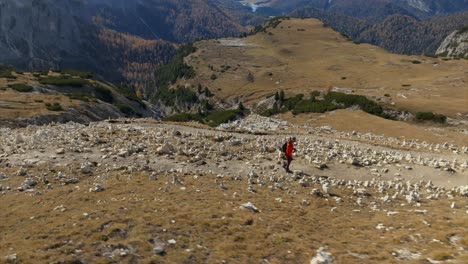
[(284, 147)]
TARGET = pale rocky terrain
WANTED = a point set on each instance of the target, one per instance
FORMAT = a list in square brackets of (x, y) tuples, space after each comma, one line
[(140, 191), (455, 45)]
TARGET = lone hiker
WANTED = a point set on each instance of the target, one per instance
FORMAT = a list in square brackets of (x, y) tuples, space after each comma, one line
[(288, 149)]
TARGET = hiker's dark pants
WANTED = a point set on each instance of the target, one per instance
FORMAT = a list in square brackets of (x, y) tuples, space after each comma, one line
[(288, 159)]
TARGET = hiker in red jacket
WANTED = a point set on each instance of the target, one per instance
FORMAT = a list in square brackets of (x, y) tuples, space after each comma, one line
[(289, 152)]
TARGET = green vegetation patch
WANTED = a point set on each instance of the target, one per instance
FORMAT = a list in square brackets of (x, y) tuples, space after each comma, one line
[(172, 97), (429, 116), (126, 110), (130, 94), (168, 74), (184, 117), (349, 100), (81, 97), (176, 68), (213, 119), (64, 80), (21, 87), (56, 107), (81, 74), (217, 118), (331, 101), (103, 93), (6, 72)]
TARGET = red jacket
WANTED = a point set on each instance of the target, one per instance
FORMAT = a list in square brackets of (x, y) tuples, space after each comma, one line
[(289, 149)]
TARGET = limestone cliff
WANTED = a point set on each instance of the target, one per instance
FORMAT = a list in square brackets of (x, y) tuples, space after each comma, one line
[(455, 45)]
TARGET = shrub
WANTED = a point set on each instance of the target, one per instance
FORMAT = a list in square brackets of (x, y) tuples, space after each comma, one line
[(282, 96), (63, 80), (349, 100), (213, 77), (273, 111), (126, 110), (241, 107), (184, 117), (103, 93), (171, 97), (6, 71), (314, 107), (332, 101), (80, 96), (429, 116), (250, 77), (21, 87), (7, 74), (81, 74), (290, 103), (213, 119), (314, 94), (130, 94), (219, 117), (415, 62), (54, 107), (208, 93)]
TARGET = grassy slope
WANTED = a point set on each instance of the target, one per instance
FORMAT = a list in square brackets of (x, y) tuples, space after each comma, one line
[(209, 226), (72, 91), (303, 61)]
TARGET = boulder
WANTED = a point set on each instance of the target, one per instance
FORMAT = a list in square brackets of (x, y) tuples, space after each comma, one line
[(250, 206), (354, 162), (165, 149), (60, 151), (96, 188), (322, 257)]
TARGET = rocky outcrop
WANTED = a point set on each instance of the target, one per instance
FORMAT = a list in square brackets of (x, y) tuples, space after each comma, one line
[(455, 45)]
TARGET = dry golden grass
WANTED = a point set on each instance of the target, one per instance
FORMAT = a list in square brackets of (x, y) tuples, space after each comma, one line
[(209, 226), (303, 61), (16, 105), (24, 105)]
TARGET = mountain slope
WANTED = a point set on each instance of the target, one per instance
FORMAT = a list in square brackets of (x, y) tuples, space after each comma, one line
[(402, 34), (69, 34), (174, 20), (299, 56), (374, 11), (397, 33), (43, 97)]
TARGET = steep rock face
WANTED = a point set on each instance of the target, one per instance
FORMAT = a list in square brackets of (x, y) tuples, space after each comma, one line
[(455, 45), (37, 34), (120, 40)]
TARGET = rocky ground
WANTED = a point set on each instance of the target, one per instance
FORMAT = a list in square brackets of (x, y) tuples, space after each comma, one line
[(139, 191)]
